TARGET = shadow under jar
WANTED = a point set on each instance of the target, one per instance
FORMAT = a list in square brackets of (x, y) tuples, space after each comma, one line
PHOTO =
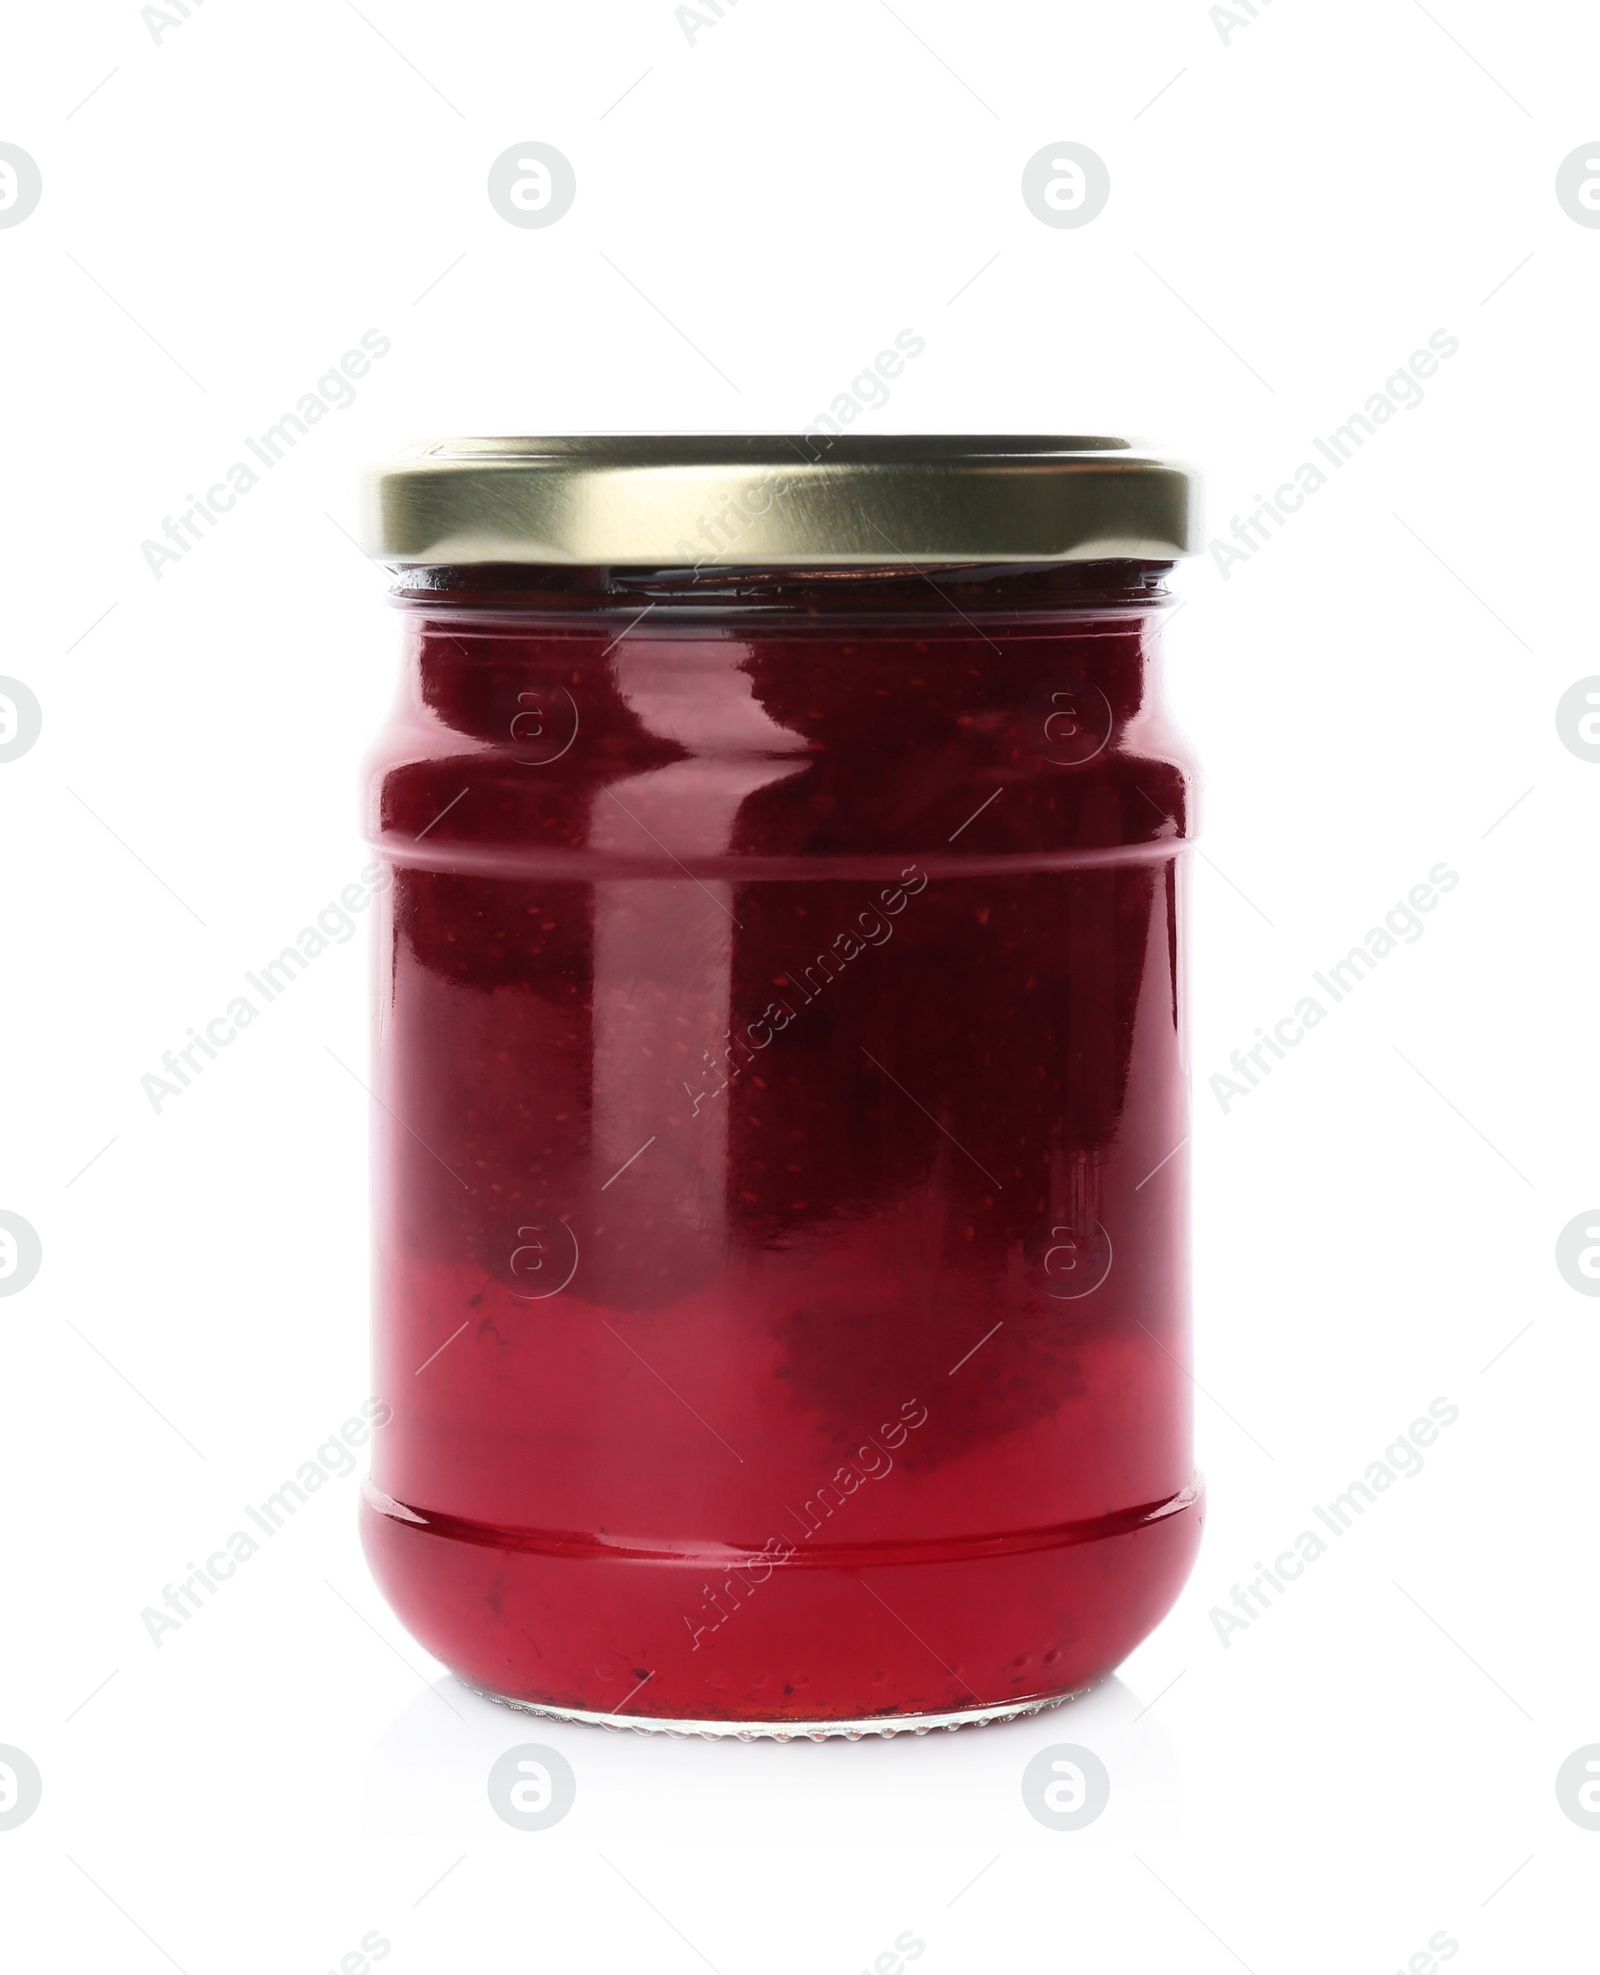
[(782, 1193)]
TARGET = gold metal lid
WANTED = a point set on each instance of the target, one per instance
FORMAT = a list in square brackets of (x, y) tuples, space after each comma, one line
[(663, 501)]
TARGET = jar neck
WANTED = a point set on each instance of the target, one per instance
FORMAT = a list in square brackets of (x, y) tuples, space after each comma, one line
[(891, 706), (722, 593)]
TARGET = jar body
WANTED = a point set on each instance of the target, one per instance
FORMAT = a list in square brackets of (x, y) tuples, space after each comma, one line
[(782, 1240)]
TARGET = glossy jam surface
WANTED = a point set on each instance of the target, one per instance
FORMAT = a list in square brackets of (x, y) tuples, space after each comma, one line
[(782, 1240)]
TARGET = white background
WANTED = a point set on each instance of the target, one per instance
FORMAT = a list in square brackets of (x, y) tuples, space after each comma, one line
[(1299, 208)]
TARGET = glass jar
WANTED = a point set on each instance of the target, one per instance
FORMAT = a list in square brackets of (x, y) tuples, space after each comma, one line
[(782, 1105)]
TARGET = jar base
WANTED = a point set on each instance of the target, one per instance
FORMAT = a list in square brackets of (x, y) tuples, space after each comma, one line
[(1000, 1627), (883, 1726)]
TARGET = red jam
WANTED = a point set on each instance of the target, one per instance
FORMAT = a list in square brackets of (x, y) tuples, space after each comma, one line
[(782, 1250)]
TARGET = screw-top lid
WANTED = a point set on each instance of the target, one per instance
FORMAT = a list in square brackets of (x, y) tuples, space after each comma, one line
[(664, 501)]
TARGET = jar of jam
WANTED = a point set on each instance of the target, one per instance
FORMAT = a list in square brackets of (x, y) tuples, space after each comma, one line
[(780, 1065)]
